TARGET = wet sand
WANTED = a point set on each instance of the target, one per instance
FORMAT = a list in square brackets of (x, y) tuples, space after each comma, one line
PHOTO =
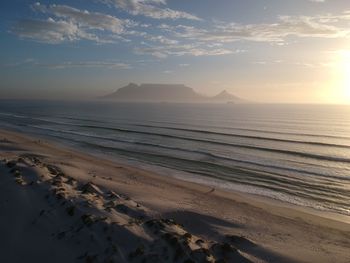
[(61, 205)]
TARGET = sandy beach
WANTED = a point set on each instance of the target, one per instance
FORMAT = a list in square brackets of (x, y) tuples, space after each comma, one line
[(60, 205)]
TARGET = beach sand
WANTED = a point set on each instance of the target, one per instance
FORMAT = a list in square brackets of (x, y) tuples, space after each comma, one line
[(60, 205)]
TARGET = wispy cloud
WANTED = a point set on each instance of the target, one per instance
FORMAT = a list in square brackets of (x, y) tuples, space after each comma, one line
[(66, 23), (312, 64), (84, 18), (103, 64), (19, 63), (183, 50), (48, 31), (286, 26), (86, 64), (150, 8)]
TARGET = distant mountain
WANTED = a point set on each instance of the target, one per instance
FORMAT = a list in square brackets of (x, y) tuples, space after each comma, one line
[(224, 96), (166, 93)]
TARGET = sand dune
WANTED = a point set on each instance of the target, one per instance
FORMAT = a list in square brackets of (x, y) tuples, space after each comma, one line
[(58, 205)]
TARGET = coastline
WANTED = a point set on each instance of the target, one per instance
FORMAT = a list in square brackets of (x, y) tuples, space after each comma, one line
[(280, 231)]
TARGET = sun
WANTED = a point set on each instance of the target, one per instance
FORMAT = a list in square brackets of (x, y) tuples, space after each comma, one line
[(343, 82)]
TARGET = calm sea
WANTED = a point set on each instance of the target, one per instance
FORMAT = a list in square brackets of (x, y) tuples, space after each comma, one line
[(294, 153)]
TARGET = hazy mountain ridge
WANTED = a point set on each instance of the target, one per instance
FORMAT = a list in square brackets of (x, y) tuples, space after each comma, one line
[(167, 93)]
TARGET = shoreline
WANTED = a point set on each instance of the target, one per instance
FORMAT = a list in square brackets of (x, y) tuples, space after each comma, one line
[(255, 198), (217, 184), (169, 196), (255, 176)]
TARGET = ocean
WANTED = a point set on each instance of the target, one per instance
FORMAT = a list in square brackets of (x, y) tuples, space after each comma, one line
[(298, 154)]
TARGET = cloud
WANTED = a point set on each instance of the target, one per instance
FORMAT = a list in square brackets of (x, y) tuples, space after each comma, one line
[(150, 8), (183, 50), (162, 40), (86, 64), (286, 26), (66, 23), (107, 64), (27, 61), (214, 40), (48, 31), (84, 18), (312, 64)]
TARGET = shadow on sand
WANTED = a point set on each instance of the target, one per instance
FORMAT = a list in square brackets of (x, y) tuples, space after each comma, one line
[(205, 225)]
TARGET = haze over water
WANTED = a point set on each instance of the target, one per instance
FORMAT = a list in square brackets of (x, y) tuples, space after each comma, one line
[(294, 153)]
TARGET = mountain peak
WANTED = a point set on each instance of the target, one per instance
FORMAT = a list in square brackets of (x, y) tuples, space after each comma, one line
[(167, 93), (131, 85), (226, 96), (224, 92)]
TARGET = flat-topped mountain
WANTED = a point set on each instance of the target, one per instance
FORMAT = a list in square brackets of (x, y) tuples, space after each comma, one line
[(166, 93)]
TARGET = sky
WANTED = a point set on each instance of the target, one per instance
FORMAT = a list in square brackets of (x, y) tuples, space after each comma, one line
[(284, 51)]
